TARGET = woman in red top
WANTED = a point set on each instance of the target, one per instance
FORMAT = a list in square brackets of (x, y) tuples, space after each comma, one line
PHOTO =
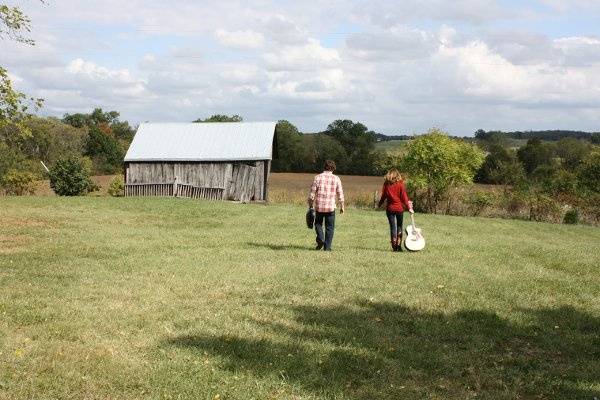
[(394, 191)]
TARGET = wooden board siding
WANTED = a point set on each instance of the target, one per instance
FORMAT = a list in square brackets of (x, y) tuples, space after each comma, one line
[(241, 181)]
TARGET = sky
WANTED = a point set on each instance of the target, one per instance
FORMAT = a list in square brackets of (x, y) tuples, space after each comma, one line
[(399, 67)]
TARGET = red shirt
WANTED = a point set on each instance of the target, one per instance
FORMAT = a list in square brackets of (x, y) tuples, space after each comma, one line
[(395, 194)]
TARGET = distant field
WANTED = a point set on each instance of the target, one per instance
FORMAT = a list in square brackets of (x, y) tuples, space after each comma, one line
[(165, 298), (391, 144)]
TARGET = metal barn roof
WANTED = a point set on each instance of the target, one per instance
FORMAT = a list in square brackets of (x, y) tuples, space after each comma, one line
[(212, 141)]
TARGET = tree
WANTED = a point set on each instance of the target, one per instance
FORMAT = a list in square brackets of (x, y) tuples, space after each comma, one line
[(358, 143), (436, 163), (572, 152), (104, 149), (589, 173), (499, 167), (14, 105), (290, 154), (108, 137), (221, 118), (70, 176), (320, 148), (596, 138), (535, 154)]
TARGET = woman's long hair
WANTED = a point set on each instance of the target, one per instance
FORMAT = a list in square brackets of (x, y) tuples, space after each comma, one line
[(392, 177)]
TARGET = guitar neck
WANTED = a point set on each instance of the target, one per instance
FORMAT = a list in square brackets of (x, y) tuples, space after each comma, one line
[(412, 219)]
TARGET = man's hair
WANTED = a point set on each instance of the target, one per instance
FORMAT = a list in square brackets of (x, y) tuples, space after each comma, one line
[(329, 165)]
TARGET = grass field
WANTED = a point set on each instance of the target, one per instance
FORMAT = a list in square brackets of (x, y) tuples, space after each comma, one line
[(149, 298)]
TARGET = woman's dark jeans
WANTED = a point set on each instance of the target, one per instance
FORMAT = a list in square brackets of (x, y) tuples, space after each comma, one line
[(395, 220), (329, 219)]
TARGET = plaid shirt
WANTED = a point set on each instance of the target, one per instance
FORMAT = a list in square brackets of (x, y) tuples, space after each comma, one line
[(323, 191)]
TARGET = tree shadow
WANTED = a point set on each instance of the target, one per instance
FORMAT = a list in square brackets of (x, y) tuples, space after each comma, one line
[(370, 350), (279, 247)]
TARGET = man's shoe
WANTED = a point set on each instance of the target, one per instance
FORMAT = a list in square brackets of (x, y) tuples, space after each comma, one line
[(319, 245)]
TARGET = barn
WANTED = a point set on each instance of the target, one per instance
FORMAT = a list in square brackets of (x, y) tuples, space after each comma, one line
[(216, 161)]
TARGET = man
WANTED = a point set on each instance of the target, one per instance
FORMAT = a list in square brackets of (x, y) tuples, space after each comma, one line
[(323, 192)]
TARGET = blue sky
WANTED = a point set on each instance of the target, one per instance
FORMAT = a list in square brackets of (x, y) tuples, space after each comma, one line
[(399, 67)]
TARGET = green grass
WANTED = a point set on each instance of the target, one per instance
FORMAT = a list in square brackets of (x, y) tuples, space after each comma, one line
[(104, 298)]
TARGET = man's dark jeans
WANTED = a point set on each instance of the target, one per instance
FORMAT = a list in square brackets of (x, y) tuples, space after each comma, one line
[(329, 218)]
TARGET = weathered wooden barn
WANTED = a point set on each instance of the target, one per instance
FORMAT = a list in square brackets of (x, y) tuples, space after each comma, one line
[(218, 161)]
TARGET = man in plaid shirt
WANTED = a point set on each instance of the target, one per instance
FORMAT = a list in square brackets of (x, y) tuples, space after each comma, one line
[(323, 192)]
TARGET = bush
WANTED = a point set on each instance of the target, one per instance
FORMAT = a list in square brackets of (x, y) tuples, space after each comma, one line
[(571, 217), (543, 208), (117, 187), (19, 183), (479, 201), (71, 177)]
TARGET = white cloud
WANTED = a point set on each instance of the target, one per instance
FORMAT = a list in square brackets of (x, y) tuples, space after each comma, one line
[(310, 56), (245, 40)]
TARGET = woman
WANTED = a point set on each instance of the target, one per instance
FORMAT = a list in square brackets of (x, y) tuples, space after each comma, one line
[(394, 191)]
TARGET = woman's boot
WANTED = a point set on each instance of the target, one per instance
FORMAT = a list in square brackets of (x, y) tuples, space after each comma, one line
[(394, 244), (399, 243)]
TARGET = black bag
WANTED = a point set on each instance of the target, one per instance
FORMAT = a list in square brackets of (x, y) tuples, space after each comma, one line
[(310, 218)]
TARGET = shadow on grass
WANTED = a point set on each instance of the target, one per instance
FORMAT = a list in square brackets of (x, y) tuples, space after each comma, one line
[(272, 246), (371, 350)]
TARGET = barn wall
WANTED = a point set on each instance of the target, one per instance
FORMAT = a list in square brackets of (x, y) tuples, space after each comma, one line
[(242, 181)]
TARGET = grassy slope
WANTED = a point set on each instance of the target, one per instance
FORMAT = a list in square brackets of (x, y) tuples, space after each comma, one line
[(167, 298)]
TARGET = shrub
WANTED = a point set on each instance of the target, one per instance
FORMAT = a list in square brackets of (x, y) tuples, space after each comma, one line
[(571, 217), (19, 183), (543, 208), (479, 201), (70, 176), (117, 187)]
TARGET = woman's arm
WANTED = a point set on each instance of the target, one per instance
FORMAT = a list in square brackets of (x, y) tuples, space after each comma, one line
[(382, 198)]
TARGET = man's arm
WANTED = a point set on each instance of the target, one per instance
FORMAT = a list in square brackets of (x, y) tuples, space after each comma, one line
[(313, 193), (340, 194)]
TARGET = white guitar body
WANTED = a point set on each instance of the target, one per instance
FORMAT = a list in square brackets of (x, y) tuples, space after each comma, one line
[(414, 239)]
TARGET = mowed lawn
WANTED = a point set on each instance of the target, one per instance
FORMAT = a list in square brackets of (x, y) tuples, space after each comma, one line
[(149, 298)]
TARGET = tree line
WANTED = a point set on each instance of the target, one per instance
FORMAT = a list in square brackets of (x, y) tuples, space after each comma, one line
[(547, 135)]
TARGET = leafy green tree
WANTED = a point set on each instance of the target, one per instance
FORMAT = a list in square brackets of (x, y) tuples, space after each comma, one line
[(290, 153), (104, 149), (14, 105), (436, 163), (572, 152), (95, 118), (595, 138), (52, 139), (221, 118), (589, 173), (70, 176), (358, 143), (320, 148), (535, 154), (500, 167)]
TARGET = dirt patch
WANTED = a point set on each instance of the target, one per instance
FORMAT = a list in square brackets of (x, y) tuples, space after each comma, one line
[(12, 222), (10, 244)]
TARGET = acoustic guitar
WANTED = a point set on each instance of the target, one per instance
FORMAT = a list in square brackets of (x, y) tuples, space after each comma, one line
[(414, 238)]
